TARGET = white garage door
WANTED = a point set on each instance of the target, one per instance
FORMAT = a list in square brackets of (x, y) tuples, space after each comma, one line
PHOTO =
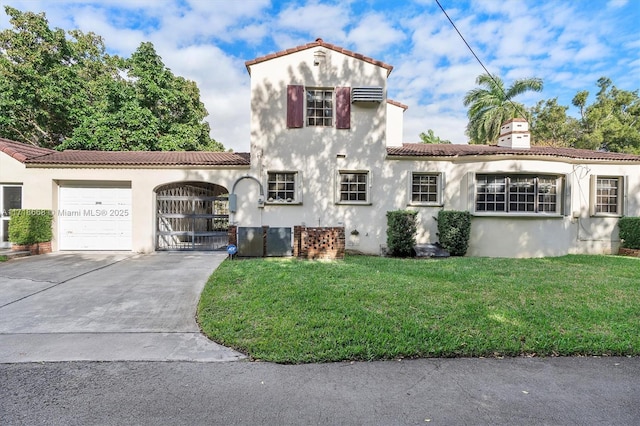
[(94, 218)]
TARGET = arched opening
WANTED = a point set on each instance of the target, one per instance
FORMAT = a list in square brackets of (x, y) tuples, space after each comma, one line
[(192, 216)]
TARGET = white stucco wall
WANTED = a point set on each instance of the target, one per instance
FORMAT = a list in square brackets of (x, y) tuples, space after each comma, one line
[(11, 170), (509, 235), (316, 154), (395, 125)]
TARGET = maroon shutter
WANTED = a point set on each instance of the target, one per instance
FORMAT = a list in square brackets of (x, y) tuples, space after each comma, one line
[(295, 106), (343, 107)]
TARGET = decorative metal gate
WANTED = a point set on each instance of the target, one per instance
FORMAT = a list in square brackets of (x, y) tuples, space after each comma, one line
[(192, 216)]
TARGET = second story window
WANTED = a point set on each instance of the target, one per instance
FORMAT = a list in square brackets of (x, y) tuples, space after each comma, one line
[(319, 107), (313, 107)]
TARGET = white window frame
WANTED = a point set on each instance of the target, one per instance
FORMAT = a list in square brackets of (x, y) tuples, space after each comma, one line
[(4, 213), (439, 177), (308, 117), (297, 185), (620, 196), (537, 211), (366, 183)]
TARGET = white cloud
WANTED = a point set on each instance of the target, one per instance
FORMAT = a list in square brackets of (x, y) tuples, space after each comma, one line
[(374, 34), (319, 20), (615, 4)]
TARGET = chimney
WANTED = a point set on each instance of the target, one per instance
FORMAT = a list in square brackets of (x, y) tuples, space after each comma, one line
[(515, 134)]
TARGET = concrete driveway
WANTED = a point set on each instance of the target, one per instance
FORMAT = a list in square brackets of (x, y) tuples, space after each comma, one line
[(106, 307)]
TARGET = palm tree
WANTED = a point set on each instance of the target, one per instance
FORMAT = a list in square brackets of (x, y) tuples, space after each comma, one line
[(491, 105)]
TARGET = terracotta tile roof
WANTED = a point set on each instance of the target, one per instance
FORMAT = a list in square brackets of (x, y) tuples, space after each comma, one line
[(142, 158), (456, 150), (318, 43), (398, 104), (22, 151), (30, 154)]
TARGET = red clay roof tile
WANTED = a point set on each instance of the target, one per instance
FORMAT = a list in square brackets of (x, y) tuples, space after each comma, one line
[(457, 150), (143, 158), (35, 155), (22, 151)]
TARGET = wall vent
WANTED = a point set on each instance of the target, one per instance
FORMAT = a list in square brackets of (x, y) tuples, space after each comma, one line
[(366, 94)]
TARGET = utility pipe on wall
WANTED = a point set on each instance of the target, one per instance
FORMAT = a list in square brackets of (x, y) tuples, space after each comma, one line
[(233, 198)]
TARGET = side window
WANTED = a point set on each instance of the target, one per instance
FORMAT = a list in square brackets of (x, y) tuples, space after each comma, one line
[(282, 187), (524, 194), (10, 198), (426, 189), (607, 195)]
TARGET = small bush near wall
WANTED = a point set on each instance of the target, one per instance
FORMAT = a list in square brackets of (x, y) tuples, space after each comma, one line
[(454, 229), (30, 226), (630, 232), (401, 232)]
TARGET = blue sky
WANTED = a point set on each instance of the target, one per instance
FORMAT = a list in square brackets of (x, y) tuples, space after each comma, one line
[(568, 44)]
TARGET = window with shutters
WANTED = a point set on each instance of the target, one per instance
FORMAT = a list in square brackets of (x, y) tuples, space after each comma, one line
[(318, 107)]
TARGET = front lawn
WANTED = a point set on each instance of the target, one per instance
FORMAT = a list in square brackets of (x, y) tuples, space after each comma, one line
[(366, 308)]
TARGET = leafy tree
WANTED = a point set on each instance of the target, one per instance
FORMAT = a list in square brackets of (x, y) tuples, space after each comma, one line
[(61, 90), (431, 138), (40, 73), (491, 105), (551, 126), (612, 122), (149, 110)]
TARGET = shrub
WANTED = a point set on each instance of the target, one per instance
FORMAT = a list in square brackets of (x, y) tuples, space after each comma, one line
[(454, 229), (630, 232), (30, 226), (401, 232)]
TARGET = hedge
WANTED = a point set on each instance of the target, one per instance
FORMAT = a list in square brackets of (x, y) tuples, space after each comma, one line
[(28, 226), (630, 232), (401, 232), (454, 230)]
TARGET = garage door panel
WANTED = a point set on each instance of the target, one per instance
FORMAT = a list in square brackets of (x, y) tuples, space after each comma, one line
[(94, 218)]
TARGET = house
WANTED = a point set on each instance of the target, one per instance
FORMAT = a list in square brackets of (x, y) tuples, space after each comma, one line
[(326, 151)]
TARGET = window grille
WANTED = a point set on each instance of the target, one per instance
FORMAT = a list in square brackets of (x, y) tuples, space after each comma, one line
[(353, 187), (319, 107), (517, 194)]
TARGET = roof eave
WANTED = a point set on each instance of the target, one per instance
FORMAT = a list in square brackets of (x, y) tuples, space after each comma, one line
[(85, 165), (318, 43), (506, 156)]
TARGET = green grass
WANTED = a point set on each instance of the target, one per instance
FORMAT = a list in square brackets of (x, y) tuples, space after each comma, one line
[(3, 258), (367, 308)]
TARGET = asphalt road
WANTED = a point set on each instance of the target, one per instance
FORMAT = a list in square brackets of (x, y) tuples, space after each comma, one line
[(517, 391)]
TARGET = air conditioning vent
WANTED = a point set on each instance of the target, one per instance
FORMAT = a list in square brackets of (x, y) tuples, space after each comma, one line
[(366, 94)]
